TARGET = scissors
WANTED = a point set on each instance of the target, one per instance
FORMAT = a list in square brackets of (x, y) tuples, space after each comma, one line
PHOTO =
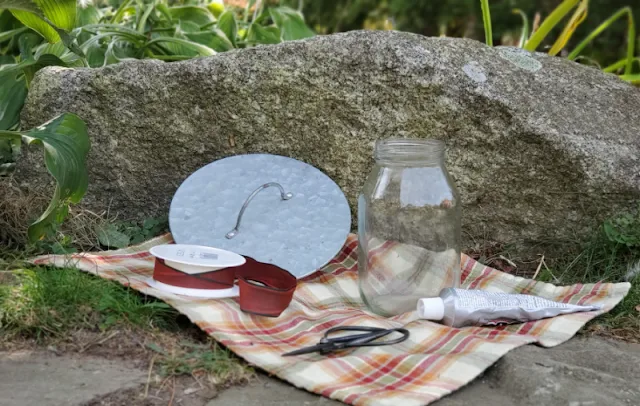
[(366, 339)]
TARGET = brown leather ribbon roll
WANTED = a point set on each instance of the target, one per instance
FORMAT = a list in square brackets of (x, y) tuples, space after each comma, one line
[(265, 289)]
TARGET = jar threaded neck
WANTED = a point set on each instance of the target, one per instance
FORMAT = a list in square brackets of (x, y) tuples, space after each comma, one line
[(408, 151)]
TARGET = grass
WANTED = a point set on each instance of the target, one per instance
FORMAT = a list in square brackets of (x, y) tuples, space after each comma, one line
[(71, 310), (40, 303), (611, 254), (208, 359), (51, 306), (601, 259)]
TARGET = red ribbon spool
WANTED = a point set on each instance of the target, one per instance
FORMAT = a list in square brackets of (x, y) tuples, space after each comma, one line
[(265, 289)]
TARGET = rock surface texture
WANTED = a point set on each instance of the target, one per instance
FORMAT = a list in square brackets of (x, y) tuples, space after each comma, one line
[(581, 372), (42, 379), (540, 147)]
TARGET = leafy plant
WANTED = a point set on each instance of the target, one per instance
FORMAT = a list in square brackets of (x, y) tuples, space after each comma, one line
[(123, 234), (533, 42), (104, 34), (110, 236), (624, 229), (66, 144)]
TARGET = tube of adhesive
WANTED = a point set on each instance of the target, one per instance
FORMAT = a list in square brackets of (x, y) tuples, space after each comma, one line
[(460, 307)]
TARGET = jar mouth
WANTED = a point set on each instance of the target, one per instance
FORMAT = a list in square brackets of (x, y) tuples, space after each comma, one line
[(409, 150)]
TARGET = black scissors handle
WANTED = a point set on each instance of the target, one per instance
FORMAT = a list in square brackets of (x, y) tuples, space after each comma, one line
[(361, 340), (366, 339)]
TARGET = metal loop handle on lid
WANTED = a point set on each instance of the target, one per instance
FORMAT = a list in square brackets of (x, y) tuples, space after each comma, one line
[(284, 195)]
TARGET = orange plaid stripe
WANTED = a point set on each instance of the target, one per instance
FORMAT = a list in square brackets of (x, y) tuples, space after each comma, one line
[(435, 360)]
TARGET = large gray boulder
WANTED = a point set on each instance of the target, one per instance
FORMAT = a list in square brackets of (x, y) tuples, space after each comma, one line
[(539, 146)]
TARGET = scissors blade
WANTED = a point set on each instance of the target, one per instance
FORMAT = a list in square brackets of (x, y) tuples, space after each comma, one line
[(306, 350)]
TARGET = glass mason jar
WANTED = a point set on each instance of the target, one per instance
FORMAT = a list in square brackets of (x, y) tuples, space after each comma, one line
[(408, 226)]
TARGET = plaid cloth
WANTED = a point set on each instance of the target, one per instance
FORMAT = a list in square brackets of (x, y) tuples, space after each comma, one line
[(435, 360), (396, 271)]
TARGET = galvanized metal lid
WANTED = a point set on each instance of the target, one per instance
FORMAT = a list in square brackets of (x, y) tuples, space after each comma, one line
[(274, 209)]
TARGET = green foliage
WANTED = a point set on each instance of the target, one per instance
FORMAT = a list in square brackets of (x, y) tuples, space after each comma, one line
[(13, 91), (524, 34), (624, 229), (612, 254), (49, 18), (631, 35), (463, 18), (549, 24), (66, 143), (44, 302), (580, 14), (123, 234), (101, 35), (110, 236), (486, 19), (159, 29), (148, 228)]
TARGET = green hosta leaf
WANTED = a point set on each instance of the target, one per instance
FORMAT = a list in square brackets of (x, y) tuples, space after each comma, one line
[(7, 35), (7, 60), (26, 43), (188, 26), (13, 91), (227, 24), (122, 10), (118, 51), (109, 236), (59, 50), (178, 46), (291, 23), (214, 39), (23, 5), (263, 35), (86, 16), (66, 144), (142, 23), (95, 56), (38, 25), (46, 17), (31, 64), (30, 67), (164, 10), (198, 15), (62, 13)]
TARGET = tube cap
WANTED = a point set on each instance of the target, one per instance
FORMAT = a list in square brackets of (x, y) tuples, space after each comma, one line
[(431, 308)]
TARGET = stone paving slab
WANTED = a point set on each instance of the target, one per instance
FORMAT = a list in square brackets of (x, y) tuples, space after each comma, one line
[(582, 372), (269, 392), (44, 379)]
